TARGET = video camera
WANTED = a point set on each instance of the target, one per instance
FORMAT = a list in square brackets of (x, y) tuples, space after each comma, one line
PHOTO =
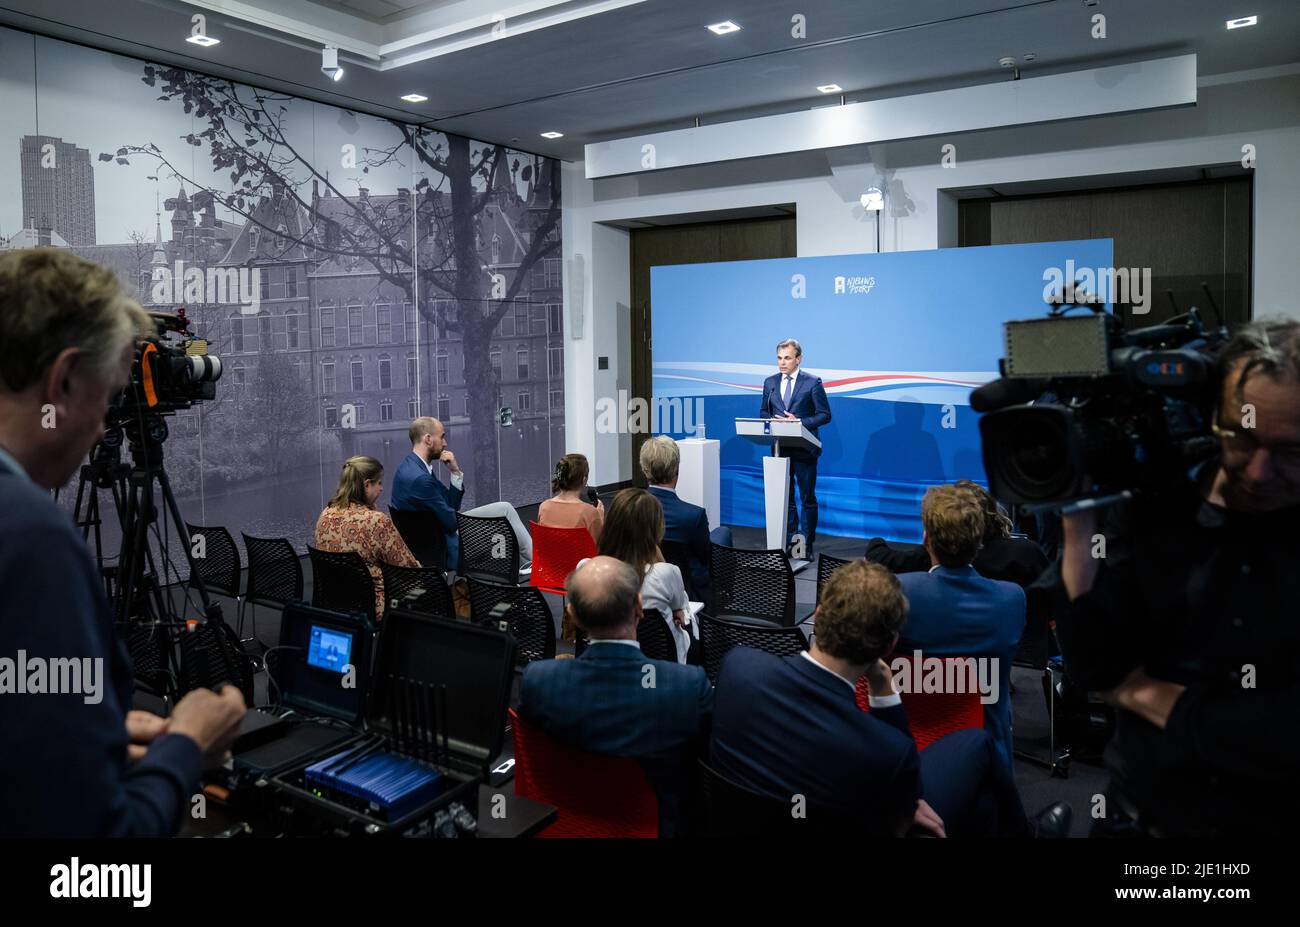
[(172, 370), (1086, 410)]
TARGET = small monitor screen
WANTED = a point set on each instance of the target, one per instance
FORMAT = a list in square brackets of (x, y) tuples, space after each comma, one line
[(330, 649)]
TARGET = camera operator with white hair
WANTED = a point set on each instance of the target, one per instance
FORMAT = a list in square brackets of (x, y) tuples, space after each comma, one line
[(1188, 623), (75, 763)]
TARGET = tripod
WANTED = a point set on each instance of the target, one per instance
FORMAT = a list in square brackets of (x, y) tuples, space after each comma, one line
[(142, 609)]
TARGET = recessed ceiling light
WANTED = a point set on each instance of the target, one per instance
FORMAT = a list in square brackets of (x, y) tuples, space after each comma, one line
[(1244, 21), (206, 41), (723, 28), (831, 88), (552, 135), (414, 97)]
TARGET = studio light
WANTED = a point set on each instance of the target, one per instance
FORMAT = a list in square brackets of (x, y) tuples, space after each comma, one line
[(552, 135), (206, 41), (1244, 21), (723, 28), (329, 63), (873, 200), (830, 88), (414, 97)]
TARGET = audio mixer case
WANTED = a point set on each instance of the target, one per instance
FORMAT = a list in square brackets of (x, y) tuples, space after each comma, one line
[(475, 664)]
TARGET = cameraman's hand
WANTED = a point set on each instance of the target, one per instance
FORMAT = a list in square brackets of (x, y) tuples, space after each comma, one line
[(211, 720), (1078, 565), (1153, 699), (142, 729)]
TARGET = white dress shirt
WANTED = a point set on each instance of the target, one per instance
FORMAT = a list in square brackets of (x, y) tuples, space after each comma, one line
[(457, 478), (882, 701)]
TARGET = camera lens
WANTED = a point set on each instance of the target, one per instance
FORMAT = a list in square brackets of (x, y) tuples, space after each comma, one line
[(1028, 453)]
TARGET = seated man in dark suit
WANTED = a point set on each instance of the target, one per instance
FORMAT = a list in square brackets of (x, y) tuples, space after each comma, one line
[(416, 489), (684, 522), (601, 702), (1001, 556), (75, 762), (956, 612), (788, 726)]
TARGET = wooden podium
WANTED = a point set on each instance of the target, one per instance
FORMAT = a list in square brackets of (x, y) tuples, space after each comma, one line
[(777, 434)]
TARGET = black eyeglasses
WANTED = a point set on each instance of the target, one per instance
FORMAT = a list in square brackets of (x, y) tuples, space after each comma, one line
[(1245, 444)]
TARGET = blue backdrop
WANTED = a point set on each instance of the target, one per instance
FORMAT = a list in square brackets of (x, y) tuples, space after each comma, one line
[(899, 340)]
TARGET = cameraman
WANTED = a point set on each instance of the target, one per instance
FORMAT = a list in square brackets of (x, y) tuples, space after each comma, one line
[(75, 763), (1191, 629)]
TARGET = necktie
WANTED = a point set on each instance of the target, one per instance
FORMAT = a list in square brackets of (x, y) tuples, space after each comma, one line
[(785, 398)]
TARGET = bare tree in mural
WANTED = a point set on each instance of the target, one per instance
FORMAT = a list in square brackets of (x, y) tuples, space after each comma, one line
[(245, 134)]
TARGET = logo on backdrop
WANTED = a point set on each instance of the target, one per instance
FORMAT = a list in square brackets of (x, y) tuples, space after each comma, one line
[(854, 285)]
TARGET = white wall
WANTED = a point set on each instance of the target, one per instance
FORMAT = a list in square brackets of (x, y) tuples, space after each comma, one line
[(1258, 108)]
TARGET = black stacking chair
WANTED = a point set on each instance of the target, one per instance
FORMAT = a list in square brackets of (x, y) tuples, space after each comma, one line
[(274, 577), (424, 535), (1037, 643), (652, 633), (718, 635), (656, 640), (826, 565), (341, 582), (678, 553), (219, 567), (731, 810), (428, 586), (526, 611), (480, 538), (752, 584)]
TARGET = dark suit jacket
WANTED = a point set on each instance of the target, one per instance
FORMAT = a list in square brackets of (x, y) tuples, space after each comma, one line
[(809, 402), (63, 768), (957, 612), (598, 703), (415, 489), (1016, 560), (784, 727), (687, 523)]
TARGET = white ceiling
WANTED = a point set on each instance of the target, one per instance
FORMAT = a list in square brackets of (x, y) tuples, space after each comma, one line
[(599, 69)]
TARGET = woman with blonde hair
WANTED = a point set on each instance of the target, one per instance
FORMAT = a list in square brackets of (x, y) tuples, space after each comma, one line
[(571, 506), (634, 526), (351, 523)]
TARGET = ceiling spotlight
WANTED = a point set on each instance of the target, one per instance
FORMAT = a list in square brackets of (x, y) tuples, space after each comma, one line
[(552, 135), (830, 88), (1244, 21), (723, 28), (873, 200), (414, 97), (208, 41), (329, 63)]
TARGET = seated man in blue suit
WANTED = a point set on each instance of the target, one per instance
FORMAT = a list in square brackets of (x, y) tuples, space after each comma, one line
[(602, 702), (796, 396), (787, 726), (957, 612), (416, 489), (684, 522)]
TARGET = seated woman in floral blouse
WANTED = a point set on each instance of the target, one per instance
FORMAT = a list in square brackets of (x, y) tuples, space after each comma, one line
[(350, 522)]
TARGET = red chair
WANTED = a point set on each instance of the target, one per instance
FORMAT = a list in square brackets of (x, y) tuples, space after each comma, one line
[(556, 551), (597, 796), (931, 715)]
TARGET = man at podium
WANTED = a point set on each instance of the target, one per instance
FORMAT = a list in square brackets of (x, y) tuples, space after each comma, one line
[(792, 395)]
